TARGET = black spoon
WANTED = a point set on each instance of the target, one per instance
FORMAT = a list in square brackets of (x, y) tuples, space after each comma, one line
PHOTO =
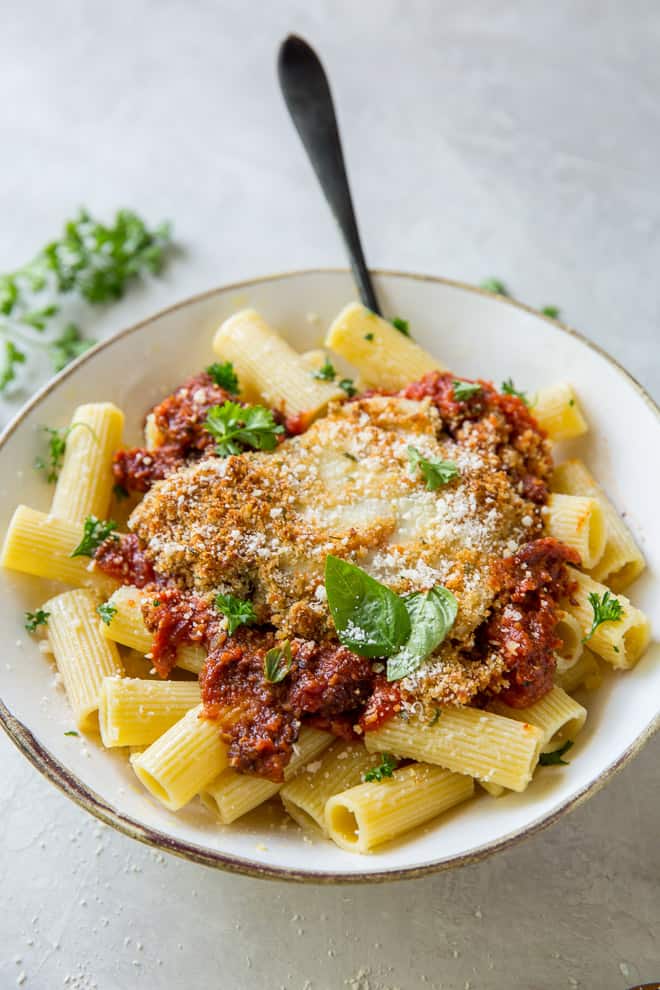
[(307, 95)]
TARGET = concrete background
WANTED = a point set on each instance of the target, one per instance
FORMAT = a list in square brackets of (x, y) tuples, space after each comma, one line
[(511, 139)]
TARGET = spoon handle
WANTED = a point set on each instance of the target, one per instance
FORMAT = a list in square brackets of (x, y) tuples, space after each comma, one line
[(307, 95)]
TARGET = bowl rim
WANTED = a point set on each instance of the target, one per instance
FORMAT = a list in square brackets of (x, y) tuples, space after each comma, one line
[(86, 798)]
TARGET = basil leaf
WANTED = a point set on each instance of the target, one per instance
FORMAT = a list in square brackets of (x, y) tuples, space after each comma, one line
[(432, 614), (369, 618)]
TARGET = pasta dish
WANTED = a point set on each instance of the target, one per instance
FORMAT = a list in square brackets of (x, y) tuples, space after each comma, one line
[(362, 596)]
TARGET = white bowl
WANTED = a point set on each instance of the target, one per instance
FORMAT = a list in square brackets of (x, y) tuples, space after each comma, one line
[(475, 334)]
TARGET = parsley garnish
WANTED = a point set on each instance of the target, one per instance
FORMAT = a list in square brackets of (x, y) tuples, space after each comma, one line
[(464, 390), (236, 611), (551, 311), (385, 768), (120, 492), (95, 532), (554, 758), (348, 387), (435, 473), (35, 619), (12, 357), (277, 663), (224, 376), (72, 732), (57, 449), (508, 388), (496, 286), (107, 611), (91, 259), (68, 346), (606, 609), (401, 325), (156, 603), (326, 373), (236, 427), (368, 336), (350, 456)]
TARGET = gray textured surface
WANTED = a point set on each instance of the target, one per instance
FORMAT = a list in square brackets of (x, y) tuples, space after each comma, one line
[(514, 139)]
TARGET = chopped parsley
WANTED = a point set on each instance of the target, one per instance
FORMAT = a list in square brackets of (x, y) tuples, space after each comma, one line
[(107, 611), (606, 609), (277, 663), (464, 390), (236, 428), (350, 456), (385, 768), (35, 619), (95, 532), (347, 385), (224, 376), (326, 373), (69, 345), (401, 325), (554, 758), (57, 449), (156, 603), (237, 611), (72, 732), (496, 286), (508, 388), (13, 356), (435, 473), (369, 336), (551, 311)]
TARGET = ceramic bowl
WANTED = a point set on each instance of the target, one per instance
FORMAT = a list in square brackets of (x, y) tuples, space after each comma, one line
[(475, 334)]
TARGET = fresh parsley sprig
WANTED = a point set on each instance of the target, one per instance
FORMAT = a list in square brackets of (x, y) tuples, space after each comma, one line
[(93, 260), (606, 609), (95, 532), (496, 286), (237, 427), (554, 758), (348, 386), (237, 611), (35, 619), (403, 326), (277, 663), (326, 373), (224, 376), (435, 473), (57, 449), (385, 768)]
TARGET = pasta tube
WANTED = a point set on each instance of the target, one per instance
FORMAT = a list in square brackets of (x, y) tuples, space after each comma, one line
[(40, 544), (270, 370), (183, 761), (584, 673), (126, 626), (557, 715), (384, 356), (468, 741), (579, 522), (622, 560), (84, 658), (556, 410), (569, 631), (369, 814), (84, 486), (622, 641), (342, 766), (233, 794), (135, 712)]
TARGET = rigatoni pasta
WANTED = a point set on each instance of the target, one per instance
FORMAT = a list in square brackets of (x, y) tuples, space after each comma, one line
[(370, 814), (579, 522), (557, 411), (135, 712), (84, 658), (384, 356), (84, 486), (622, 640), (556, 714)]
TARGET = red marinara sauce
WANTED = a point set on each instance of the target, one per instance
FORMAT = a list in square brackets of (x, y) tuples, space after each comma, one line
[(522, 628)]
